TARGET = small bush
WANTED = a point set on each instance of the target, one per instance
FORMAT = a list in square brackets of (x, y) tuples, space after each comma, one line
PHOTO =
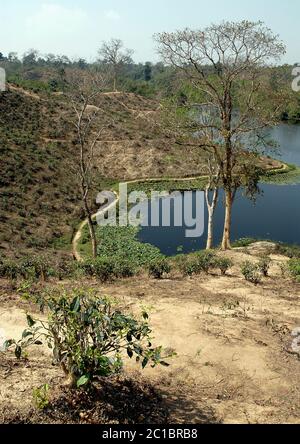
[(206, 260), (101, 268), (88, 335), (124, 269), (158, 268), (224, 264), (9, 269), (190, 267), (251, 273), (36, 267), (198, 263), (264, 266), (294, 268)]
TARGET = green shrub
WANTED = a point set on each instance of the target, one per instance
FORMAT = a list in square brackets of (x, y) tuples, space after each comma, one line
[(244, 242), (101, 268), (159, 267), (294, 268), (9, 269), (88, 335), (197, 263), (251, 273), (189, 267), (206, 260), (35, 267), (124, 269), (264, 266), (224, 264)]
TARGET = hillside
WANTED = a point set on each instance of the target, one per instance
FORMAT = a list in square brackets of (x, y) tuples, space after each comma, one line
[(40, 206)]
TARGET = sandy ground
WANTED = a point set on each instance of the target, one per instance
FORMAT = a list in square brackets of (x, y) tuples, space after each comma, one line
[(234, 360)]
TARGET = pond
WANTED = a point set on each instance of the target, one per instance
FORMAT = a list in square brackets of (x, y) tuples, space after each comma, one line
[(274, 216)]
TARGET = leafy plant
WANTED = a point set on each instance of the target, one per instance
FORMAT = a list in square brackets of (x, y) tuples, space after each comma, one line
[(206, 260), (100, 268), (224, 264), (294, 268), (88, 336), (264, 266), (158, 268), (198, 263), (251, 273), (41, 396)]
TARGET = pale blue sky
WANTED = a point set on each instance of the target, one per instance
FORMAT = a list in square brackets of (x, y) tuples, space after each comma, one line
[(77, 27)]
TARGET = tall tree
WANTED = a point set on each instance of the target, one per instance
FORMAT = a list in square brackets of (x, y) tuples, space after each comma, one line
[(226, 64), (114, 55), (84, 89)]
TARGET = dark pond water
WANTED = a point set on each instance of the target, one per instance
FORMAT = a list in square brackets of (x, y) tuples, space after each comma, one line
[(275, 215)]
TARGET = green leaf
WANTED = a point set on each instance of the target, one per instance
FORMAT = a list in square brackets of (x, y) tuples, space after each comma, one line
[(75, 305), (145, 362), (26, 333), (9, 343), (30, 321), (129, 352), (18, 352), (83, 380), (145, 315)]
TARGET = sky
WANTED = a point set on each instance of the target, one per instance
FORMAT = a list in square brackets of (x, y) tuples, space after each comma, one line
[(77, 28)]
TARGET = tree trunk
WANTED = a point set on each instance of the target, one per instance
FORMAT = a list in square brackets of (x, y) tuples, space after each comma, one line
[(93, 236), (227, 224), (209, 244), (91, 228), (211, 211)]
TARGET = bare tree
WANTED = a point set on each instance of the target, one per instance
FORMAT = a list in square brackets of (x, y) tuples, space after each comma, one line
[(226, 65), (83, 91), (114, 55)]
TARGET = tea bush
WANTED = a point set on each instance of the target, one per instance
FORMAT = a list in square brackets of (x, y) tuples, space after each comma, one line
[(88, 335), (158, 268), (251, 273), (264, 266), (294, 268), (224, 264)]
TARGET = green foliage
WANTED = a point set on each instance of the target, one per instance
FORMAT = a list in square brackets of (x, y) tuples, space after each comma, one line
[(198, 263), (291, 251), (88, 336), (101, 268), (206, 260), (224, 264), (158, 268), (29, 268), (121, 245), (264, 266), (294, 268), (251, 273), (9, 269), (244, 242), (41, 396)]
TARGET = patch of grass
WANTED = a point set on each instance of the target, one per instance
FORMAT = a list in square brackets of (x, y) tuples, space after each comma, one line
[(288, 176), (244, 242), (294, 268), (121, 244), (291, 251)]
